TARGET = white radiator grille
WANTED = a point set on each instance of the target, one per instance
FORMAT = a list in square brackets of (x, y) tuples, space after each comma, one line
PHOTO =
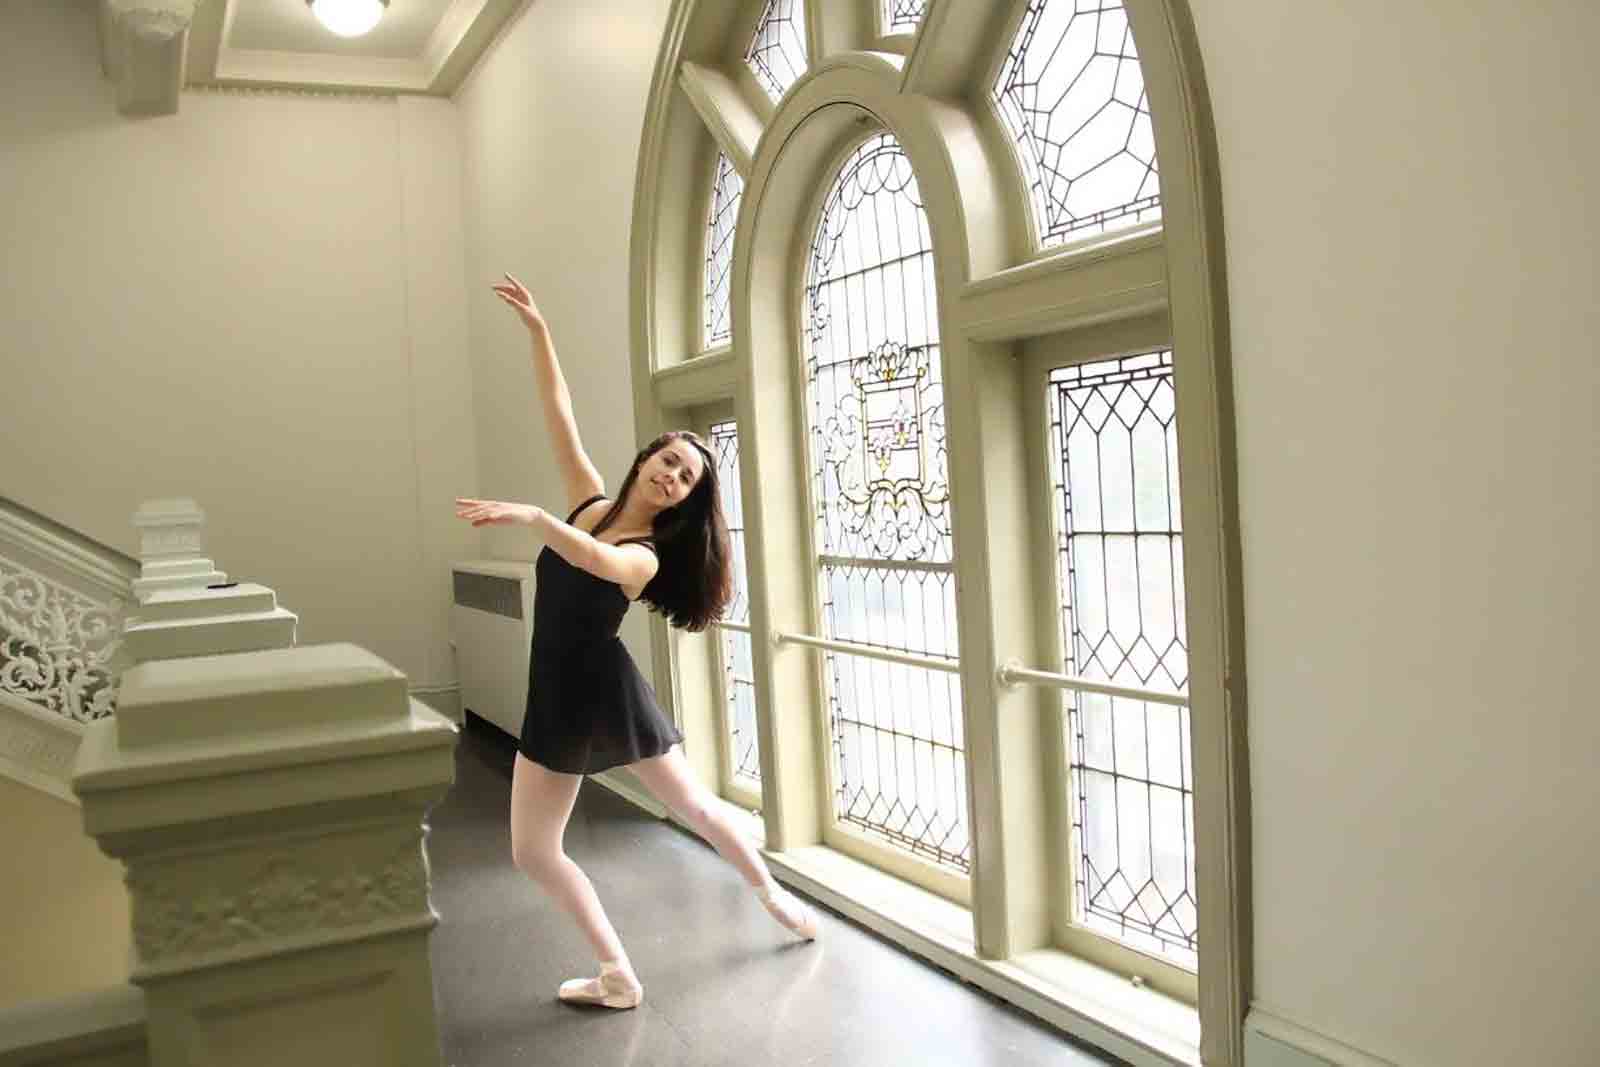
[(491, 627), (489, 592)]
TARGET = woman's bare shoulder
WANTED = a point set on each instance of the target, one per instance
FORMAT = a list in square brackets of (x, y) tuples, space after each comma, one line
[(588, 513)]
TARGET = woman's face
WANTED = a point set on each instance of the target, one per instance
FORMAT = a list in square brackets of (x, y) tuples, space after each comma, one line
[(671, 473)]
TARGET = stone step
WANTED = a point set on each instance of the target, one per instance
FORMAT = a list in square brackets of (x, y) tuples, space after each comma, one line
[(308, 687), (210, 636), (143, 587), (171, 568), (170, 605)]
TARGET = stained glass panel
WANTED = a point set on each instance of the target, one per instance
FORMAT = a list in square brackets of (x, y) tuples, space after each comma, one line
[(738, 670), (1120, 565), (881, 490), (777, 53), (727, 189), (903, 16), (1072, 95)]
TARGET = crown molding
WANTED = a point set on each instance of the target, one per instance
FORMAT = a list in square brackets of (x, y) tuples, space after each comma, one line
[(466, 30)]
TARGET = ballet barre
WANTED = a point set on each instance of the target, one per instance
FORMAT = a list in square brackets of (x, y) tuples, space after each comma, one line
[(910, 659), (1012, 674), (1009, 675)]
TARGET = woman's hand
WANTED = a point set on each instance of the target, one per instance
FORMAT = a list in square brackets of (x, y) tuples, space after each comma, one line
[(516, 294), (497, 512)]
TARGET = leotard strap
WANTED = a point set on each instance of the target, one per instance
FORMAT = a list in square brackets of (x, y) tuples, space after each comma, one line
[(579, 509), (645, 541)]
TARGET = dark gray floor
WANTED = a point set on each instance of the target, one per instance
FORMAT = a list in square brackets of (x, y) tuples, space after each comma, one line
[(723, 983)]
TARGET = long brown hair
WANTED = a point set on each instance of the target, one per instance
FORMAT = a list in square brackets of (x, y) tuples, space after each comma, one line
[(694, 578)]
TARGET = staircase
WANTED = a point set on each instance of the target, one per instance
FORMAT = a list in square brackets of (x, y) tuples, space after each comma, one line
[(222, 832)]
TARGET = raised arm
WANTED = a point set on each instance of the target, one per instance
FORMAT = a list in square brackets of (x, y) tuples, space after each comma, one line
[(578, 472)]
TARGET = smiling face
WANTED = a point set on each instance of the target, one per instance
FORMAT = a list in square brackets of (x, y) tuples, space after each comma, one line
[(671, 473)]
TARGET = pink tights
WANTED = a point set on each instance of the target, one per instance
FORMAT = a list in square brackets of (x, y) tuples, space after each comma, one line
[(541, 803)]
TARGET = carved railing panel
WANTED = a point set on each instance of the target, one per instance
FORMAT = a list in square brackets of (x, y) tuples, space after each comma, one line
[(58, 647)]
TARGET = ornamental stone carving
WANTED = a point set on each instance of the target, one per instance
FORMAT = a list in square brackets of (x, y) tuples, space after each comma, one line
[(169, 528), (220, 902), (152, 19), (32, 744), (57, 646)]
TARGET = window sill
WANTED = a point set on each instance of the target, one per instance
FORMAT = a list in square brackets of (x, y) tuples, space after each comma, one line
[(1100, 1007), (1140, 1025)]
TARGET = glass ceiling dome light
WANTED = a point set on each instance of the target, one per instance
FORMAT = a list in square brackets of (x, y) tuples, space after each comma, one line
[(348, 18)]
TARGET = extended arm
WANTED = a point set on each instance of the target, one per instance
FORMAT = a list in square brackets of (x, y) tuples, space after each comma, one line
[(630, 566), (578, 472)]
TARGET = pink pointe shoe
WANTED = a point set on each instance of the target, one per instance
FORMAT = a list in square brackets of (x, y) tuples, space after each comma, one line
[(617, 987), (783, 906)]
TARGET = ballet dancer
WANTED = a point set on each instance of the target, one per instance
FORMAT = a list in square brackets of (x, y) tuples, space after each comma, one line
[(663, 539)]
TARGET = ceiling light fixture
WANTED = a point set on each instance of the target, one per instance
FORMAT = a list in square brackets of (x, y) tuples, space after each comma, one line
[(348, 18)]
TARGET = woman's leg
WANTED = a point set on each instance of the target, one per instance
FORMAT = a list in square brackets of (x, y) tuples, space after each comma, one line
[(675, 785), (541, 802)]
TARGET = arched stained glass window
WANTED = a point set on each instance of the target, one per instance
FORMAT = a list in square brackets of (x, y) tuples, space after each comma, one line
[(882, 498), (1072, 95), (1120, 570), (777, 53), (744, 746), (903, 16), (728, 187)]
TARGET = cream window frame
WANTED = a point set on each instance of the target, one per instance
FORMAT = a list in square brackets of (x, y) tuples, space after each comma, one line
[(729, 785), (998, 291), (1040, 356)]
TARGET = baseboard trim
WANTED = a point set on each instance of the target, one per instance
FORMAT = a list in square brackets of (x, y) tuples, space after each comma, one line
[(1270, 1040)]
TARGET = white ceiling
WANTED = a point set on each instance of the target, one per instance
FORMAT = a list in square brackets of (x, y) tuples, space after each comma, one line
[(419, 46)]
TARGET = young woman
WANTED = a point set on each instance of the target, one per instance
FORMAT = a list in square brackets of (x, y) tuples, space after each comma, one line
[(663, 540)]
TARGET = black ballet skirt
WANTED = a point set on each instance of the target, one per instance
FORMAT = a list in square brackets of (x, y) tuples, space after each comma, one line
[(589, 708)]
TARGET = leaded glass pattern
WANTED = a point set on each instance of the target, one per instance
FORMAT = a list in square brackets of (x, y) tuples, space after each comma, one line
[(1072, 95), (881, 492), (727, 188), (744, 745), (1120, 567), (777, 53), (903, 16)]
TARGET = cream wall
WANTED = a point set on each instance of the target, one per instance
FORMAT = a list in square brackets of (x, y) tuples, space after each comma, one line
[(1412, 276), (75, 937), (257, 302), (1408, 192), (550, 124)]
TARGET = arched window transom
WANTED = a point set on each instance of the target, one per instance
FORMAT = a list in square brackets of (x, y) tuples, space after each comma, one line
[(1072, 95), (777, 53)]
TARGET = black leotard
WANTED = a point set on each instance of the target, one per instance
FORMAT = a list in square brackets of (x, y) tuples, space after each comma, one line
[(589, 708)]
